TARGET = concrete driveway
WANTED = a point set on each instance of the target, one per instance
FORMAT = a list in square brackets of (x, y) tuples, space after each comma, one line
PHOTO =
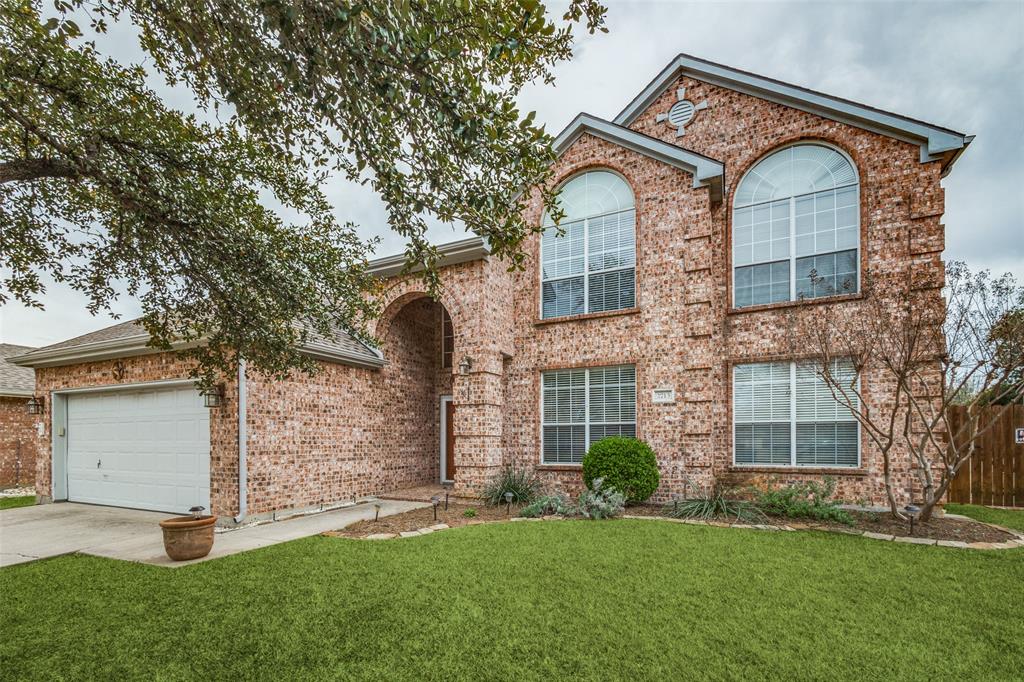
[(47, 530)]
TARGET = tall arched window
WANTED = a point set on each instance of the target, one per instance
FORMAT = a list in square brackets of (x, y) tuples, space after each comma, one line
[(796, 227), (591, 266)]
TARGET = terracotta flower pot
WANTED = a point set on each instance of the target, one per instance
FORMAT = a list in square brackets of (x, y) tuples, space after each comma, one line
[(187, 538)]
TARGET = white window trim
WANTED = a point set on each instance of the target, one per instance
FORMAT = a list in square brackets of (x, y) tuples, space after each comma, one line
[(586, 255), (587, 423), (792, 428), (792, 227)]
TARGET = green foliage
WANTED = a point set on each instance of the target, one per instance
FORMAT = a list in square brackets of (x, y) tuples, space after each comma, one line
[(103, 185), (1008, 518), (547, 505), (472, 604), (600, 502), (805, 500), (522, 483), (469, 513), (13, 502), (626, 464), (717, 502)]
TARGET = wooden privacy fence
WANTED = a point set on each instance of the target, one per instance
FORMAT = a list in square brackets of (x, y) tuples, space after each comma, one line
[(995, 473)]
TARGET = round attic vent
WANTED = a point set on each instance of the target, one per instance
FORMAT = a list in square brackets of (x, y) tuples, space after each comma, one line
[(681, 113)]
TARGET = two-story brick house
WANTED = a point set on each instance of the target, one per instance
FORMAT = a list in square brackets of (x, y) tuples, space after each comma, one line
[(672, 305)]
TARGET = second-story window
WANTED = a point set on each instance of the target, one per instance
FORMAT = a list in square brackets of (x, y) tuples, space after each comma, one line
[(796, 227), (591, 266)]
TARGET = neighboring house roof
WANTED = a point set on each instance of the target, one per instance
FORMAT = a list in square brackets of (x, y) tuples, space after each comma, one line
[(130, 338), (14, 380), (937, 143), (705, 170), (452, 253)]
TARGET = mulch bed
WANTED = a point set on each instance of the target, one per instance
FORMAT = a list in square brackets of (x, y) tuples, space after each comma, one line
[(421, 518), (943, 528)]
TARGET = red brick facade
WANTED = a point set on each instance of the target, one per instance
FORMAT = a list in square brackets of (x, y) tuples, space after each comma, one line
[(349, 432), (19, 443)]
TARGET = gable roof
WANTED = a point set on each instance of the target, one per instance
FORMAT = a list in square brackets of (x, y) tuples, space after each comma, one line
[(130, 338), (706, 172), (937, 143), (451, 253), (14, 380)]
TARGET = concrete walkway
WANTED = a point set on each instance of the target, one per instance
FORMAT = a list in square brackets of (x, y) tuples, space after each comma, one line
[(30, 533)]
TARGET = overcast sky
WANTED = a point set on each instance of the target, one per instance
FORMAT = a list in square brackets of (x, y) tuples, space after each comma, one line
[(958, 65)]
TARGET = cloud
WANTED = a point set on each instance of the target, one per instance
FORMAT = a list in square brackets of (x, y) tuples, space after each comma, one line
[(959, 65)]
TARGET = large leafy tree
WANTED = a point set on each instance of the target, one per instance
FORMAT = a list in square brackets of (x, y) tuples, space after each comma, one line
[(101, 183)]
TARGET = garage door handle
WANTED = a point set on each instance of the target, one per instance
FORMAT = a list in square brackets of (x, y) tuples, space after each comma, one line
[(98, 463)]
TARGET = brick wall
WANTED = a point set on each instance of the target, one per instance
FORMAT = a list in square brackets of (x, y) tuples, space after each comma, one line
[(18, 443), (684, 334)]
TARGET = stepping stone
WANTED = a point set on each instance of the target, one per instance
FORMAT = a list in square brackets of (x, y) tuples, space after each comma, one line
[(381, 536), (409, 533), (877, 536), (952, 543), (915, 541)]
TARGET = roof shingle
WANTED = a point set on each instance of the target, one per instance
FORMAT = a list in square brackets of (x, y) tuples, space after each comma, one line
[(14, 379)]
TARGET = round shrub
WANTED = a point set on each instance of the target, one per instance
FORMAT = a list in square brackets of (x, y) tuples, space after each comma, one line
[(626, 464)]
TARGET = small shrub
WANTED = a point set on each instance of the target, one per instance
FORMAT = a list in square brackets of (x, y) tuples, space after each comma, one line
[(717, 502), (522, 483), (546, 505), (807, 500), (469, 513), (599, 502), (626, 464)]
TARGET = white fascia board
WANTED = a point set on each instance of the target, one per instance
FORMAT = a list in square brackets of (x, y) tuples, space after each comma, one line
[(452, 253), (319, 351), (935, 141), (15, 393), (706, 172)]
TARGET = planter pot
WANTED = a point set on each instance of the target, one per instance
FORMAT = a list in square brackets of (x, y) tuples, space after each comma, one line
[(187, 538)]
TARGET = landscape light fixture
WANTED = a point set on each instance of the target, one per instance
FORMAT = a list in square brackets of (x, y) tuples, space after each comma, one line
[(376, 511), (508, 504), (214, 396), (197, 512), (912, 511), (446, 501), (36, 405), (435, 500), (675, 503)]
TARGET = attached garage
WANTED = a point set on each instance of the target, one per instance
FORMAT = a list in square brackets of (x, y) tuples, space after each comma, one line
[(147, 448)]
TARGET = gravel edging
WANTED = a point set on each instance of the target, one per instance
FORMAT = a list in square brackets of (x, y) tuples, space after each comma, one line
[(1010, 544)]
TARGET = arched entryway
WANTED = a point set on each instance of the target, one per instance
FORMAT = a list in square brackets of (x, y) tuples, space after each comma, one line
[(418, 336)]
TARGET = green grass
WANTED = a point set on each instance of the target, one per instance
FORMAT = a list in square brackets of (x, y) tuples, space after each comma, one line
[(13, 502), (549, 600), (1009, 518)]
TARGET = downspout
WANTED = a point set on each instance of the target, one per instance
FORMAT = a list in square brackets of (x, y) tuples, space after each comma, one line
[(243, 471)]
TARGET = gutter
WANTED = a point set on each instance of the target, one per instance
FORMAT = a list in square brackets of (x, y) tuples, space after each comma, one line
[(243, 446), (452, 253)]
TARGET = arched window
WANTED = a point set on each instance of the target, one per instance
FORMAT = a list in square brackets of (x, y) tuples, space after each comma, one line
[(796, 227), (591, 266)]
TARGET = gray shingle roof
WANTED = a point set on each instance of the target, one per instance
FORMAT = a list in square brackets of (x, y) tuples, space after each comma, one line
[(14, 379), (342, 344)]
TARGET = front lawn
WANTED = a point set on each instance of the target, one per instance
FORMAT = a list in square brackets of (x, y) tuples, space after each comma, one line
[(13, 502), (1008, 518), (546, 600)]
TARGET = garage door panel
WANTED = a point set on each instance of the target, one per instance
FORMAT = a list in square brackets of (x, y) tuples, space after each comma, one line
[(152, 447)]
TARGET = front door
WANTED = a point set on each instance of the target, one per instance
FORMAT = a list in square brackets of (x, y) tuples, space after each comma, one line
[(447, 439)]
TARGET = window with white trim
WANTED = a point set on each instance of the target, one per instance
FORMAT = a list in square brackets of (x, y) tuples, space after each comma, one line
[(591, 266), (796, 227), (784, 414), (582, 406)]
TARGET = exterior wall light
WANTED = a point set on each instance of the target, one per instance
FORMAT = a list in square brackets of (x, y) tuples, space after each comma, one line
[(214, 397), (36, 405), (465, 365), (508, 503)]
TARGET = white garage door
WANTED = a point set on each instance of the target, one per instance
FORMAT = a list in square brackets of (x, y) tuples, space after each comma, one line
[(147, 449)]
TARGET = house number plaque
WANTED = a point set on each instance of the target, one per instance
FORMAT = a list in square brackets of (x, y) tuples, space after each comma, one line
[(663, 396)]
